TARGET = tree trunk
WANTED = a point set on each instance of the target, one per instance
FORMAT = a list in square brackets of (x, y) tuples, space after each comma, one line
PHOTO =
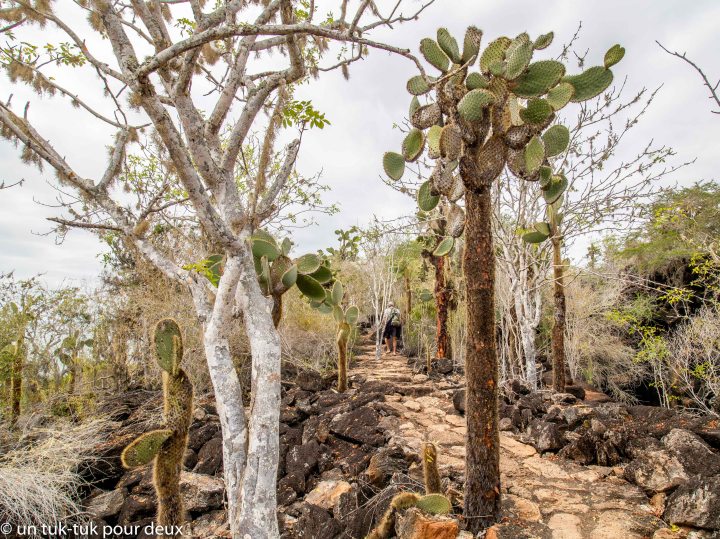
[(277, 310), (482, 483), (558, 330), (342, 341), (442, 302)]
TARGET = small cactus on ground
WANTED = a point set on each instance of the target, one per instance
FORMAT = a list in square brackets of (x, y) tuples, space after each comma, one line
[(431, 474), (433, 504), (167, 445)]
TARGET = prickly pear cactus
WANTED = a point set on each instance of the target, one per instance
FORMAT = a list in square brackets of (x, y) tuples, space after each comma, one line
[(167, 446), (491, 110)]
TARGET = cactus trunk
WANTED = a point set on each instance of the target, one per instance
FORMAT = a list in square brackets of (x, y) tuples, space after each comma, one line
[(277, 309), (443, 292), (482, 461), (558, 331)]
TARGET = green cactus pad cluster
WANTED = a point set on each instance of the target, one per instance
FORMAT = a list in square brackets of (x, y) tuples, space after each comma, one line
[(472, 105), (494, 53)]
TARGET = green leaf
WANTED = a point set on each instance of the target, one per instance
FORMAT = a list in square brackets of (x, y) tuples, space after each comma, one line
[(426, 200), (310, 288)]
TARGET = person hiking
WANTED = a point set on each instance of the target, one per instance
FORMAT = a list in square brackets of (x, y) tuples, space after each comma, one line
[(393, 327)]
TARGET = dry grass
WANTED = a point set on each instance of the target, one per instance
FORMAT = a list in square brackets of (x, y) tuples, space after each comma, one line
[(39, 480)]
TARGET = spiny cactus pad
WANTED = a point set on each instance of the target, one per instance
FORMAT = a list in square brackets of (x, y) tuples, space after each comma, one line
[(351, 315), (433, 141), (404, 500), (543, 228), (556, 140), (455, 220), (471, 44), (427, 201), (560, 95), (263, 248), (590, 83), (451, 142), (168, 345), (418, 85), (413, 144), (449, 45), (494, 52), (434, 54), (613, 56), (337, 293), (543, 41), (538, 79), (434, 504), (476, 80), (472, 104), (426, 116), (144, 448), (537, 111), (534, 154), (518, 56), (394, 165), (322, 275)]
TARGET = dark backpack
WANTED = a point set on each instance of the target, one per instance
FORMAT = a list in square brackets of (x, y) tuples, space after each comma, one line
[(395, 318)]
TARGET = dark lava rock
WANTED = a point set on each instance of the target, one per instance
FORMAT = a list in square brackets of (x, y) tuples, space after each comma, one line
[(202, 433), (577, 391), (443, 366), (696, 503), (546, 436), (135, 507), (695, 455), (309, 380), (533, 402), (210, 457), (383, 464), (359, 425), (316, 523)]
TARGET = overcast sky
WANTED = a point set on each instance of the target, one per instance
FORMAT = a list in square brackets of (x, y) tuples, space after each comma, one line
[(363, 110)]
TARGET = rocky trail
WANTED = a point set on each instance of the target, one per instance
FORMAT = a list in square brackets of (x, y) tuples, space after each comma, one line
[(543, 496)]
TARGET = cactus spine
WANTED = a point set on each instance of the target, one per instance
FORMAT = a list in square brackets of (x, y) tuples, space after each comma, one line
[(433, 504), (167, 445), (497, 116)]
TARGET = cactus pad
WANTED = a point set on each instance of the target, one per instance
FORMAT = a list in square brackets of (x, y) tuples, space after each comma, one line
[(426, 116), (613, 56), (418, 85), (322, 275), (432, 52), (289, 278), (451, 143), (560, 95), (534, 154), (394, 165), (444, 247), (427, 201), (168, 345), (144, 448), (414, 105), (475, 81), (518, 56), (413, 145), (556, 188), (404, 500), (434, 504), (543, 41), (449, 45), (458, 190), (471, 44), (352, 314), (337, 293), (556, 140), (494, 52), (472, 104), (433, 141), (543, 228), (455, 220), (537, 111), (538, 79), (534, 237), (310, 288), (590, 83), (308, 264), (263, 248), (442, 178)]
